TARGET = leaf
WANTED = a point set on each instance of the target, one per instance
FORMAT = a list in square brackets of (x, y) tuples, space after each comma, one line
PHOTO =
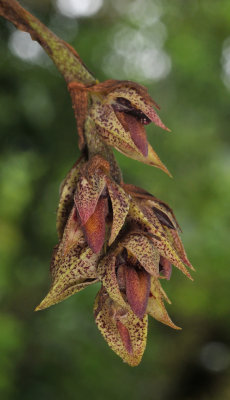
[(156, 306), (124, 332), (120, 205)]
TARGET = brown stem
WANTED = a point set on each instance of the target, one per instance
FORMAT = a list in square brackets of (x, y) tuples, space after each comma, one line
[(63, 55), (72, 68), (95, 145)]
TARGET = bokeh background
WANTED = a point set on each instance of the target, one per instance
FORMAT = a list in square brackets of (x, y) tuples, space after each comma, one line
[(181, 51)]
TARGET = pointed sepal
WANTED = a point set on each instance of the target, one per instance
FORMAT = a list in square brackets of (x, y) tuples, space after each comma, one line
[(129, 149), (107, 274), (87, 195), (75, 271), (67, 190), (144, 251), (145, 217), (73, 265), (156, 306), (124, 332), (120, 206)]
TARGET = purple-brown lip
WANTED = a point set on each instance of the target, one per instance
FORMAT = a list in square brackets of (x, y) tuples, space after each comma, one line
[(126, 106)]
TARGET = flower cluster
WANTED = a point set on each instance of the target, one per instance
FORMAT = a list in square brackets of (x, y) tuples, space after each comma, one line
[(112, 232)]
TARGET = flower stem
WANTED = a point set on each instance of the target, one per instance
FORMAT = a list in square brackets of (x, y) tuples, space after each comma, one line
[(63, 55)]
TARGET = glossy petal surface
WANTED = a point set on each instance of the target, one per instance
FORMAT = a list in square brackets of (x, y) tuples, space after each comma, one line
[(94, 228), (137, 289)]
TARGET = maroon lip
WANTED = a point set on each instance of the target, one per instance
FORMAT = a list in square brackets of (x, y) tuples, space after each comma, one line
[(126, 106)]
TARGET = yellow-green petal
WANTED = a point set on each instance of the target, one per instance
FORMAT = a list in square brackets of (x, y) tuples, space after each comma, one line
[(120, 206), (125, 333), (74, 272), (67, 190), (145, 252), (145, 217), (156, 307), (107, 274)]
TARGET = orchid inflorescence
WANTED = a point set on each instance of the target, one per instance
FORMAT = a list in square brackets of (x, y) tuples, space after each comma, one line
[(112, 232), (109, 231)]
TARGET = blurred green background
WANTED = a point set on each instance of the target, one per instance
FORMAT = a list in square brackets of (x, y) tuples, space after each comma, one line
[(181, 51)]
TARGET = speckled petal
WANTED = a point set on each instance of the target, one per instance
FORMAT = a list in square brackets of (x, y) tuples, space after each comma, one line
[(175, 240), (107, 275), (60, 294), (105, 117), (156, 306), (67, 190), (73, 235), (139, 102), (145, 217), (142, 248), (166, 215), (127, 148), (73, 265), (120, 205), (75, 271), (87, 195), (125, 333), (130, 150)]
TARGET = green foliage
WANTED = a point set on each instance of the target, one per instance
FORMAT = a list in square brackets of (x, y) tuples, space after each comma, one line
[(59, 354)]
